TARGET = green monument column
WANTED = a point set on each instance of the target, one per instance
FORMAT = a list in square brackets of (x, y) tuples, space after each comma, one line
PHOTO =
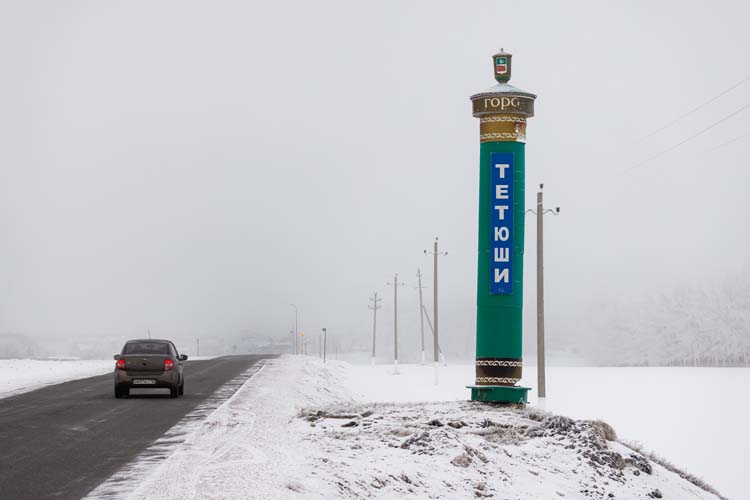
[(502, 111)]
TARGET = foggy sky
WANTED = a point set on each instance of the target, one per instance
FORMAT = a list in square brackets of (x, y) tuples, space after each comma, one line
[(195, 167)]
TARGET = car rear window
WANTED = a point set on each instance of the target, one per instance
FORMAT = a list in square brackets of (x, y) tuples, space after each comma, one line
[(146, 348)]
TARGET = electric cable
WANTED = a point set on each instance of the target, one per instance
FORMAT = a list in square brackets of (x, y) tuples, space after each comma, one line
[(672, 148), (700, 106), (730, 141)]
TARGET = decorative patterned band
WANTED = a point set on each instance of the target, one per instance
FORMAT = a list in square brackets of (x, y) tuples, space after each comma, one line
[(497, 381), (498, 362), (502, 137), (511, 119), (502, 128), (498, 371)]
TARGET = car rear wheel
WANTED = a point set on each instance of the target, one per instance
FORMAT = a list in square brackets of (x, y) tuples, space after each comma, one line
[(182, 388), (120, 392), (174, 391)]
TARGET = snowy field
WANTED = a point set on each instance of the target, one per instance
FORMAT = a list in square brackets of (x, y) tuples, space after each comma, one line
[(295, 430), (23, 375), (693, 417)]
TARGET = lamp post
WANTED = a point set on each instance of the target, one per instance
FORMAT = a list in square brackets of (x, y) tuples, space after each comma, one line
[(502, 111)]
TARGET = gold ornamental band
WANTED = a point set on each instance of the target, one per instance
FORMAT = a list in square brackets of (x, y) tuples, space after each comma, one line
[(502, 128)]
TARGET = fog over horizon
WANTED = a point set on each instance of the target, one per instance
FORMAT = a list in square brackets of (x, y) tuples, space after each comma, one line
[(193, 169)]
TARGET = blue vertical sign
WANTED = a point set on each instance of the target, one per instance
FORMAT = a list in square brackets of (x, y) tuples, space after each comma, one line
[(501, 240)]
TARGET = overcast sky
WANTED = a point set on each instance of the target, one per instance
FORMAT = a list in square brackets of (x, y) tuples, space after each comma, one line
[(195, 167)]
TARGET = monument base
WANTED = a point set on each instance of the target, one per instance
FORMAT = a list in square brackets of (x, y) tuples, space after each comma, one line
[(499, 393)]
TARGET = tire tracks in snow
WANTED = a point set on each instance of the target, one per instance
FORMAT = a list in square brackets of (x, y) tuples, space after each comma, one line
[(129, 480)]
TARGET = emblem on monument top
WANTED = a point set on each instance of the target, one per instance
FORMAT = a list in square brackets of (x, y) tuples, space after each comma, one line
[(501, 61)]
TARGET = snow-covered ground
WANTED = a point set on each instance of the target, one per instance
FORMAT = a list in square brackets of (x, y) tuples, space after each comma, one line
[(23, 375), (694, 417), (296, 430)]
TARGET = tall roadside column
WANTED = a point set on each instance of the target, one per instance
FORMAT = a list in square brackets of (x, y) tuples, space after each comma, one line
[(502, 111)]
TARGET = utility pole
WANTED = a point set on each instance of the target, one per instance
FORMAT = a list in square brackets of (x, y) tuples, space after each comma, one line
[(429, 323), (436, 347), (296, 332), (395, 284), (539, 212), (541, 372), (375, 306), (421, 310), (294, 341), (325, 334)]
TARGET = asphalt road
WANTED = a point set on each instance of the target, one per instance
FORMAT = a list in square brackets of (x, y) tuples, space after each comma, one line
[(61, 441)]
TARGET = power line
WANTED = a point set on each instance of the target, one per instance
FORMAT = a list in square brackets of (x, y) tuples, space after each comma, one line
[(672, 148), (730, 141), (700, 106)]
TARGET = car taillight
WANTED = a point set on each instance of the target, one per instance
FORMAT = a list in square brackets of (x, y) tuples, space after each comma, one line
[(168, 364), (120, 364)]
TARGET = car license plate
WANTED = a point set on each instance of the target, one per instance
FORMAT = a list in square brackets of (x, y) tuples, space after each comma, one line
[(143, 381)]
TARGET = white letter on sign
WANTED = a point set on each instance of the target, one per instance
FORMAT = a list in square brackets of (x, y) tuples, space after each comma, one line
[(501, 211), (501, 192), (502, 255), (502, 276), (502, 167), (502, 234)]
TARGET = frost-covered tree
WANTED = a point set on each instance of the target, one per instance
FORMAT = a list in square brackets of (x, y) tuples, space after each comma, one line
[(690, 326)]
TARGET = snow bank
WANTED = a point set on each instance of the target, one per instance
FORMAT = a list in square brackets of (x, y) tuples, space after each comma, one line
[(294, 430), (664, 408), (23, 375)]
